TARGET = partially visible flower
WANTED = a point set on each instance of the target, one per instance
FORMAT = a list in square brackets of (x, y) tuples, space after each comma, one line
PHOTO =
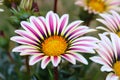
[(109, 56), (111, 21), (26, 4), (1, 2), (51, 38), (99, 6)]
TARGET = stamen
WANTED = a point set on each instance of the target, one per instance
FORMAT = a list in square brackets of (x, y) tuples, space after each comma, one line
[(117, 68), (97, 5), (54, 46)]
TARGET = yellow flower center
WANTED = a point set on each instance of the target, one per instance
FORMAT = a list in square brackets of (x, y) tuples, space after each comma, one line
[(118, 33), (54, 46), (117, 68), (97, 5)]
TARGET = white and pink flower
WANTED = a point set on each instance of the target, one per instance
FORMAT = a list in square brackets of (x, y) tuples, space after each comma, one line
[(99, 6), (109, 55), (51, 38), (111, 22)]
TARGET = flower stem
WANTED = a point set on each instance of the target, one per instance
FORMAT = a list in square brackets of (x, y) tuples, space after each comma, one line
[(55, 6), (27, 64), (55, 73), (10, 57)]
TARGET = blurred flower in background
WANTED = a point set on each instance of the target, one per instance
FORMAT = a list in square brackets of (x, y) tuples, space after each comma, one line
[(49, 39), (23, 11), (109, 55), (26, 4), (111, 22), (11, 3), (1, 3), (99, 6)]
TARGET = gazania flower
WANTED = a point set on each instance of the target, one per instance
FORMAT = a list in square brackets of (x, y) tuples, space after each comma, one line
[(111, 21), (51, 39), (99, 6), (1, 2), (109, 55)]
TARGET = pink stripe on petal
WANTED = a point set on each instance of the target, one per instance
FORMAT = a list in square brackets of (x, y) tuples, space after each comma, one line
[(115, 3), (85, 43), (31, 28), (80, 58), (99, 60), (51, 22), (36, 58), (57, 20), (106, 51), (38, 26), (30, 52), (108, 21), (22, 40), (42, 19), (116, 44), (22, 48), (27, 35), (63, 23), (106, 24), (81, 49), (76, 32), (116, 17), (69, 58), (45, 62), (55, 60), (87, 39), (72, 26), (104, 55)]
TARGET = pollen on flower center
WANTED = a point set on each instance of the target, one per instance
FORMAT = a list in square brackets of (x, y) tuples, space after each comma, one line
[(54, 46), (118, 33), (117, 68), (97, 5)]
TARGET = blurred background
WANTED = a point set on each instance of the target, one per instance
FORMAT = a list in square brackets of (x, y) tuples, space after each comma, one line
[(15, 67)]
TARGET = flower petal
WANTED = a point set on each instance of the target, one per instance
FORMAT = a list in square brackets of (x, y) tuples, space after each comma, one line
[(35, 58), (23, 40), (62, 24), (27, 35), (76, 32), (45, 62), (69, 58), (72, 26), (22, 48), (81, 49), (38, 27), (87, 39), (55, 60), (106, 47), (31, 29), (99, 60), (116, 45), (30, 52), (80, 58), (106, 68), (112, 76), (51, 23)]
